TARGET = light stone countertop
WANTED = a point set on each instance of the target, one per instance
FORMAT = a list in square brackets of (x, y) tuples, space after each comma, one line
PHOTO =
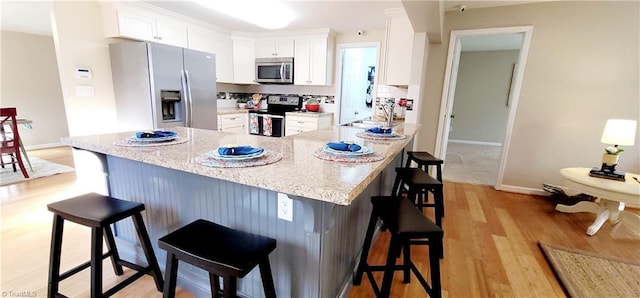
[(299, 172), (309, 114), (232, 111)]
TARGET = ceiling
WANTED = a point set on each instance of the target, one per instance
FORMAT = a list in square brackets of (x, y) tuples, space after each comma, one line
[(340, 15)]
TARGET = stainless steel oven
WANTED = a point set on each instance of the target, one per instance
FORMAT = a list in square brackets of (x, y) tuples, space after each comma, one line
[(274, 70), (271, 121)]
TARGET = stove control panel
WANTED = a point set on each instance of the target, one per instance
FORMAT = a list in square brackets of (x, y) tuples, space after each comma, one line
[(284, 100)]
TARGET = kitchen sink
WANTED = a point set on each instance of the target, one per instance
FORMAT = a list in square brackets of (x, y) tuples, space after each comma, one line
[(369, 124)]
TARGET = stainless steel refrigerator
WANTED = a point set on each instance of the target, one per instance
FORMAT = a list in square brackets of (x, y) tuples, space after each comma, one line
[(160, 86)]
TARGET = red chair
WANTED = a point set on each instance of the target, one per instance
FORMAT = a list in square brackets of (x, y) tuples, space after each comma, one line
[(10, 145)]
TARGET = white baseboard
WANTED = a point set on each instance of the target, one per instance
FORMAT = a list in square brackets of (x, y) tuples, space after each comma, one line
[(475, 143), (43, 146), (522, 190)]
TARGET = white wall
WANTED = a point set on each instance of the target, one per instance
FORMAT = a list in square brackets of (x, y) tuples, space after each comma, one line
[(30, 82), (582, 69), (482, 89), (80, 42)]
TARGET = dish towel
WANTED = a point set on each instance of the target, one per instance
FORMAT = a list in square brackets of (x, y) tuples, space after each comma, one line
[(239, 150), (342, 146), (379, 130), (155, 134)]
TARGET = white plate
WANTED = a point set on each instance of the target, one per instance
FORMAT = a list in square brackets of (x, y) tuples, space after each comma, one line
[(362, 151), (153, 140), (216, 155)]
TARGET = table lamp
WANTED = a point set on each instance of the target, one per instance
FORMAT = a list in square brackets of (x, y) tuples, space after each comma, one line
[(616, 132)]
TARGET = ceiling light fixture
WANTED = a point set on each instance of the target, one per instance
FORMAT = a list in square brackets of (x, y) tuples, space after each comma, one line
[(268, 14)]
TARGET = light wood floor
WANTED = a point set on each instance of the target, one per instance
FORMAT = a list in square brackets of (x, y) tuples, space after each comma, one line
[(491, 242)]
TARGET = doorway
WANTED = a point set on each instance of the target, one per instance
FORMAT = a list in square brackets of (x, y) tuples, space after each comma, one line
[(520, 38), (358, 66)]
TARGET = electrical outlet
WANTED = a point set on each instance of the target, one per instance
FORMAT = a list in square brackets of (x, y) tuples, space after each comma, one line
[(285, 207)]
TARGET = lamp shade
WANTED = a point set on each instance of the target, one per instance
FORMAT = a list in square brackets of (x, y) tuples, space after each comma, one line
[(619, 132)]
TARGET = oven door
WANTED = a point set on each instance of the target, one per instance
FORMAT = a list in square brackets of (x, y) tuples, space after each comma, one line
[(272, 125), (266, 124)]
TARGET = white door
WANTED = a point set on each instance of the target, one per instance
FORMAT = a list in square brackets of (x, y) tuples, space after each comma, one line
[(356, 82)]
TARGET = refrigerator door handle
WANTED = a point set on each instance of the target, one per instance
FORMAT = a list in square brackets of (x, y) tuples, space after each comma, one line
[(189, 103)]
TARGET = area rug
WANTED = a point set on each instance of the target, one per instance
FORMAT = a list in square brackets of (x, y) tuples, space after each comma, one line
[(41, 168), (588, 274)]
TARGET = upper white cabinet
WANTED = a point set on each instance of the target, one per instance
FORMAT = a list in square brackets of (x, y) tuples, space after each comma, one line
[(398, 49), (244, 60), (219, 43), (274, 47), (124, 20), (313, 61)]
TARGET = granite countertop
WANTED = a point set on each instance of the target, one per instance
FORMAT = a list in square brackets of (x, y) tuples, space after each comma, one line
[(232, 111), (299, 172), (308, 114)]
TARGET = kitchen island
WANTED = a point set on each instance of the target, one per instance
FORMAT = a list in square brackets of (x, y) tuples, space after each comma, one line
[(316, 252)]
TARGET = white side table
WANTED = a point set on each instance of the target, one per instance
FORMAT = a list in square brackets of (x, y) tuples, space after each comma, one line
[(612, 194)]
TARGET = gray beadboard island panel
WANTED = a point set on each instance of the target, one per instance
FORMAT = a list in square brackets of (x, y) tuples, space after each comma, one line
[(316, 253)]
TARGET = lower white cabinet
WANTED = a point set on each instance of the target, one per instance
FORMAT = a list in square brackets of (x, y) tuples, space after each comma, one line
[(234, 123), (295, 124)]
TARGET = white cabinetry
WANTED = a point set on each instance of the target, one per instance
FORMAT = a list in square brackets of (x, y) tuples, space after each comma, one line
[(313, 61), (130, 21), (212, 41), (244, 61), (270, 48), (234, 123), (398, 49), (295, 124)]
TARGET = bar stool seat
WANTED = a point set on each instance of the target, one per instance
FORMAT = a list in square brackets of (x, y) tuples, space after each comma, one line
[(222, 251), (408, 226), (98, 212), (424, 160), (418, 184)]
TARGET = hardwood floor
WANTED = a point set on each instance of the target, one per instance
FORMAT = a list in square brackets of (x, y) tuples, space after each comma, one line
[(491, 240)]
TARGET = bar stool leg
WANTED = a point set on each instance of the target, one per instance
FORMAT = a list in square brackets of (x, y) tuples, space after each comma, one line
[(112, 250), (230, 284), (152, 262), (169, 290), (406, 263), (54, 257), (435, 249), (438, 199), (357, 278), (394, 250), (214, 282), (96, 262), (267, 278)]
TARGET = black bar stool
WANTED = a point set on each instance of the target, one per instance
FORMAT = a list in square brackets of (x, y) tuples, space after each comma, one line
[(408, 226), (424, 160), (417, 184), (98, 212), (222, 251)]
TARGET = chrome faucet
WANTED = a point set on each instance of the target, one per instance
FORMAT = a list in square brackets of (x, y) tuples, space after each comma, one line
[(387, 109)]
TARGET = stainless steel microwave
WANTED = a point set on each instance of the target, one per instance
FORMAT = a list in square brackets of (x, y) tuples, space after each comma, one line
[(274, 70)]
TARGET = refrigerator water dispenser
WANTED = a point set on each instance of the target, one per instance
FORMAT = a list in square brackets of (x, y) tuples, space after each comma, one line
[(171, 105)]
